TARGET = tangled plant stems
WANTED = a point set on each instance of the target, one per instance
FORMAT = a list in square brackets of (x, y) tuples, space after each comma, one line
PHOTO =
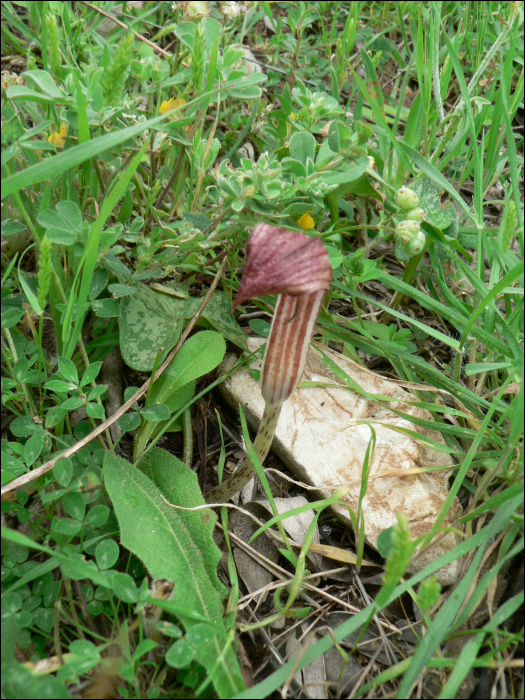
[(297, 268)]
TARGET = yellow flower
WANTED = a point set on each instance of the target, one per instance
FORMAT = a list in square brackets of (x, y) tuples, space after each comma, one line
[(306, 222), (57, 139), (171, 104)]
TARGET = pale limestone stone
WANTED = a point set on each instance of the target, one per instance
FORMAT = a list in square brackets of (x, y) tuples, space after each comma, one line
[(320, 439)]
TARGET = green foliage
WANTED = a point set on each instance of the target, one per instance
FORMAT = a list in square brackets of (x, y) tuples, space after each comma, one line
[(199, 355), (358, 269)]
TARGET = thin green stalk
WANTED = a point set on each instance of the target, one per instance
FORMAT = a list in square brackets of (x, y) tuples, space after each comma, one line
[(244, 132), (40, 362), (408, 276), (333, 205), (261, 445), (436, 81), (25, 390), (188, 437)]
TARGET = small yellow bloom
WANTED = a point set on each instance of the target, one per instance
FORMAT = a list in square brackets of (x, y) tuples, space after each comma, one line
[(306, 222), (57, 139), (171, 104)]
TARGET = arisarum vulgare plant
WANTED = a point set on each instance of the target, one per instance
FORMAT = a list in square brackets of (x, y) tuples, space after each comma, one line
[(297, 268)]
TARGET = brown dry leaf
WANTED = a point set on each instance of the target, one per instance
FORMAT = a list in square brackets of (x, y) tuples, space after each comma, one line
[(341, 555)]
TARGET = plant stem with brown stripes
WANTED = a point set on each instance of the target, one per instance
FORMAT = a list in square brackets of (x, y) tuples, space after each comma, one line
[(296, 267)]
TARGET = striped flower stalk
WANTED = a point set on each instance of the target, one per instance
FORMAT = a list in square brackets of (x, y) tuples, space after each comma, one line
[(296, 267)]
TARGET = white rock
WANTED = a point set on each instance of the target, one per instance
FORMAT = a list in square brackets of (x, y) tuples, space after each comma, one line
[(318, 437)]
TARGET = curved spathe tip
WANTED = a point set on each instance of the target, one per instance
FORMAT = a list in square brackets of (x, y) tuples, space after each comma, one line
[(279, 261)]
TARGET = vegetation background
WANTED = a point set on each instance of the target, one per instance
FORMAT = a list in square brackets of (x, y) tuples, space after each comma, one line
[(141, 142)]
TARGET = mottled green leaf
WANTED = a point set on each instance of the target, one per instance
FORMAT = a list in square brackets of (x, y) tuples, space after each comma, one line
[(441, 214), (150, 322)]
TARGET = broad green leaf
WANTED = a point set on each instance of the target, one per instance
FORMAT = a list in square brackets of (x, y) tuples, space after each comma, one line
[(124, 587), (43, 81), (335, 255), (247, 87), (106, 308), (441, 215), (346, 173), (11, 317), (59, 386), (129, 422), (95, 410), (33, 448), (19, 92), (199, 355), (121, 290), (148, 323), (106, 554), (67, 219), (70, 213), (155, 412), (98, 283), (175, 545), (180, 654), (384, 542), (91, 373), (61, 237), (302, 146), (68, 369)]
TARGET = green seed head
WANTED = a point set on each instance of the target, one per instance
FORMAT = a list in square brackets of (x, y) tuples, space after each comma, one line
[(53, 46), (428, 593), (509, 226), (115, 76), (399, 557)]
